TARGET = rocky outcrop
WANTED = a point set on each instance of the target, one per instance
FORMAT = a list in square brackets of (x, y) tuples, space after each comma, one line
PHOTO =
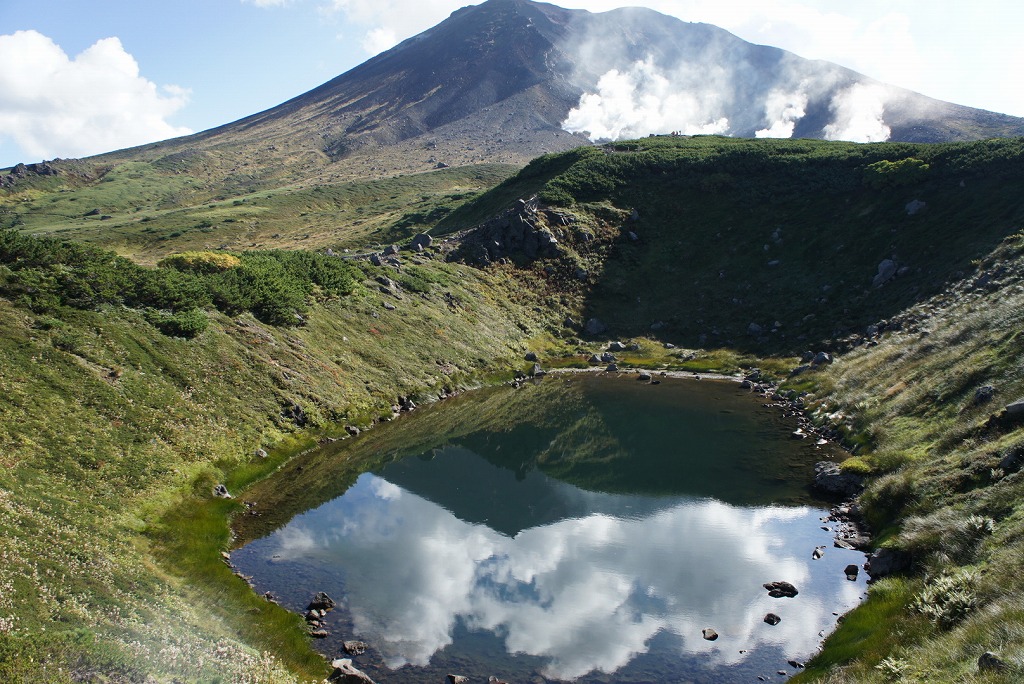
[(346, 673), (832, 481), (781, 589)]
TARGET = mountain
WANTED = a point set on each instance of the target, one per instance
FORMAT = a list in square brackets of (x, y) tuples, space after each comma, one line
[(503, 81)]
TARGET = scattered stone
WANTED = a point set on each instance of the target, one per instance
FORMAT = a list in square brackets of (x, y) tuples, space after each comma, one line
[(886, 270), (915, 207), (321, 601), (851, 572), (772, 619), (421, 241), (537, 371), (375, 259), (831, 480), (1016, 408), (709, 634), (781, 673), (352, 430), (821, 359), (494, 680), (818, 552), (616, 347), (612, 368), (884, 562), (457, 679), (346, 673), (319, 634), (389, 306), (391, 250), (595, 326), (355, 648), (594, 360), (795, 663), (990, 662), (261, 453), (221, 492), (607, 357), (780, 589), (669, 345), (984, 394), (644, 376)]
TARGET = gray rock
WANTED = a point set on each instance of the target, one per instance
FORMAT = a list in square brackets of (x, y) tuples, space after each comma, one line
[(1012, 461), (612, 368), (321, 601), (261, 453), (389, 306), (595, 326), (386, 282), (594, 360), (821, 359), (537, 371), (422, 240), (221, 492), (772, 619), (915, 207), (346, 673), (616, 347), (531, 356), (375, 259), (607, 357), (352, 430), (984, 394), (354, 648), (319, 634), (830, 479), (851, 572), (644, 376), (886, 270), (780, 589), (457, 679), (391, 250), (990, 662), (1016, 408), (709, 634), (884, 562)]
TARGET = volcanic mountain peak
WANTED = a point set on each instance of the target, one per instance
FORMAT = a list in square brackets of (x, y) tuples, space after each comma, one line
[(509, 79)]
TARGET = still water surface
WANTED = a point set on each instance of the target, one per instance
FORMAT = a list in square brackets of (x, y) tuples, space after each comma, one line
[(585, 529)]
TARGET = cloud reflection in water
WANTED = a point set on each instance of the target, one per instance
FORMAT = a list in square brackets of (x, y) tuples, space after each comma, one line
[(585, 593)]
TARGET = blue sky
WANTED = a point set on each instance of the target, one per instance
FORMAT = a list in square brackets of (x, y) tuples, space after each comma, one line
[(80, 77)]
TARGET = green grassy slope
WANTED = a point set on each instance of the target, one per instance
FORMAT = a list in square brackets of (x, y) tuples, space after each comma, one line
[(112, 434)]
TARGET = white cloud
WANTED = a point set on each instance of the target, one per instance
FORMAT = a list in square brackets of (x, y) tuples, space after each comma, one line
[(52, 105), (268, 3)]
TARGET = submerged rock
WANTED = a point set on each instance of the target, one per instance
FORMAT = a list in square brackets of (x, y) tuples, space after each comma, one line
[(321, 601), (709, 634), (354, 648), (772, 619)]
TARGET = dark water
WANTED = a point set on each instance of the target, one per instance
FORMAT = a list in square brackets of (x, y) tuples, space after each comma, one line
[(587, 529)]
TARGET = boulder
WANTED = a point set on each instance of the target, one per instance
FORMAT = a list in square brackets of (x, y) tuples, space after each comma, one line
[(1016, 408), (886, 270), (612, 368), (261, 453), (829, 479), (346, 673), (537, 371), (644, 376), (607, 357), (780, 589), (772, 619), (352, 430), (915, 207), (984, 394), (375, 259), (354, 648), (594, 360), (321, 601), (422, 240), (616, 347), (531, 356), (457, 679), (595, 326), (709, 634), (221, 492), (851, 572), (884, 562), (990, 662), (391, 250), (821, 359)]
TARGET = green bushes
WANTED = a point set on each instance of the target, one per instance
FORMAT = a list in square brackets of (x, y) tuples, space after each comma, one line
[(895, 174), (43, 274)]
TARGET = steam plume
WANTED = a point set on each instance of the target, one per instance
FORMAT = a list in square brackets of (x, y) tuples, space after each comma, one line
[(858, 114)]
